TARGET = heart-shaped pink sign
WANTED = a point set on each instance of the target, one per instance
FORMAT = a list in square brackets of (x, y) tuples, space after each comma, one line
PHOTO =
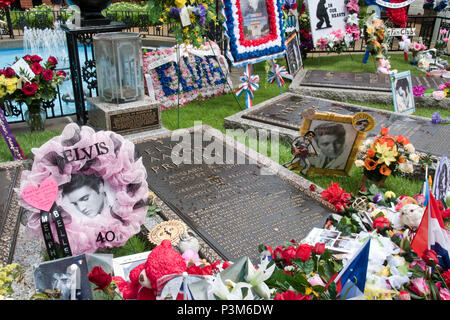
[(41, 197)]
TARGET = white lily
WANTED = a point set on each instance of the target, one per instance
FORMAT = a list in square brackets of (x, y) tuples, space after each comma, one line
[(352, 19), (256, 278), (219, 290)]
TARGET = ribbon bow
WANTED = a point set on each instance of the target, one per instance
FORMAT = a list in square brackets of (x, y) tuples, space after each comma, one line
[(280, 73), (173, 284), (248, 84)]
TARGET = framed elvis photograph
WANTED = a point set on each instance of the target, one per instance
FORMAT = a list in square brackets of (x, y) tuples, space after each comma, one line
[(254, 29), (334, 143), (293, 54), (326, 16), (123, 265), (441, 183), (402, 93)]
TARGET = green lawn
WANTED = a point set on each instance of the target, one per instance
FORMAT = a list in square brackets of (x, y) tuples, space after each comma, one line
[(353, 63), (213, 111)]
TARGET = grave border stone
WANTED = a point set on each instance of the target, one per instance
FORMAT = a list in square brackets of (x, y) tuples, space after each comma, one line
[(343, 94), (12, 218)]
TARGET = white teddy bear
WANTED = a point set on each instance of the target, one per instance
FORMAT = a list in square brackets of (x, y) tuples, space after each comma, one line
[(411, 215)]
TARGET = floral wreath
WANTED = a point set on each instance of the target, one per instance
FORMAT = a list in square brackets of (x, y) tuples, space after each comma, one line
[(337, 41), (114, 162), (241, 51)]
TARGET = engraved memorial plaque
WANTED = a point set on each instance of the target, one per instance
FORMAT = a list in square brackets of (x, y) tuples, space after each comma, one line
[(424, 135), (9, 210), (130, 121), (232, 207), (359, 81)]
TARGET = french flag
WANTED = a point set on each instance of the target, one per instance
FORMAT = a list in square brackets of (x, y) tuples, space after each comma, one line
[(432, 234)]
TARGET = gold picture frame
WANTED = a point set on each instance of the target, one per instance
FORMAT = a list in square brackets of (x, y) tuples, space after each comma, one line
[(353, 136)]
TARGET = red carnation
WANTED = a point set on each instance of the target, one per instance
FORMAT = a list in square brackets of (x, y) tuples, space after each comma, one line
[(47, 75), (430, 256), (312, 187), (336, 196), (381, 224), (304, 251), (291, 295), (27, 58), (36, 68), (100, 278), (30, 88), (9, 72)]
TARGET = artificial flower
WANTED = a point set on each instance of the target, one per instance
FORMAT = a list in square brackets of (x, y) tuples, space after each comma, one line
[(256, 278), (438, 95), (100, 278), (404, 295), (419, 286), (336, 195), (316, 280), (228, 290), (430, 257), (384, 170), (387, 154), (319, 248), (381, 224), (370, 164), (359, 163), (304, 251)]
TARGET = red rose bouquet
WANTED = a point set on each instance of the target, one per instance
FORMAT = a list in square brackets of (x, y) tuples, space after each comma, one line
[(33, 91)]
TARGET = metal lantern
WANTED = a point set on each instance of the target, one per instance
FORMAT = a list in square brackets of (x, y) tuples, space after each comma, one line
[(119, 66)]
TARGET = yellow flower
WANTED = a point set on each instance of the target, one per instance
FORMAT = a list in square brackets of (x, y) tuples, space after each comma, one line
[(180, 3), (389, 194), (370, 30), (185, 30), (2, 79), (11, 89), (387, 154), (2, 92)]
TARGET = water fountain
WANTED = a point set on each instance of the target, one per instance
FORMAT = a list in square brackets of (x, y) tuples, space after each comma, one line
[(47, 42)]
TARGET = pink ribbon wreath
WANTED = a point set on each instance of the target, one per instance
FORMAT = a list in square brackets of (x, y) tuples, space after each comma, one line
[(104, 154)]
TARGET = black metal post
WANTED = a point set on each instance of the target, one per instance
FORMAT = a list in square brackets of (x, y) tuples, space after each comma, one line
[(8, 21)]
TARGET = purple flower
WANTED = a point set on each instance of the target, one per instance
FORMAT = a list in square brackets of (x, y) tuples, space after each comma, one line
[(174, 12), (436, 118), (377, 197), (418, 90), (200, 11)]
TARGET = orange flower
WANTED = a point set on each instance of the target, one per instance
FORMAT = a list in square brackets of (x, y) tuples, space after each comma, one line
[(402, 140), (370, 164), (401, 160), (384, 170), (389, 142), (371, 152), (384, 131)]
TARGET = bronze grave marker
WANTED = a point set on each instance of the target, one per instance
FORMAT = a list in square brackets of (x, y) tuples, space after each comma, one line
[(233, 207)]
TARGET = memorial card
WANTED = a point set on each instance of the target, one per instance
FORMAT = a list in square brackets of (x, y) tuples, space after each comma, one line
[(441, 183), (293, 54), (402, 93), (67, 275), (326, 16)]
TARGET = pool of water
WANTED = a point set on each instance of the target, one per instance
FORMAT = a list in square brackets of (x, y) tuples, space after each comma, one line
[(8, 57)]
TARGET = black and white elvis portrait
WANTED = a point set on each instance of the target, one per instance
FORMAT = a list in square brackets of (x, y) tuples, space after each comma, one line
[(441, 185), (333, 142)]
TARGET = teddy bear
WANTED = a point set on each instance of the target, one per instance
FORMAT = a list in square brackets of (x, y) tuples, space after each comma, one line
[(384, 66), (162, 260), (411, 215)]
